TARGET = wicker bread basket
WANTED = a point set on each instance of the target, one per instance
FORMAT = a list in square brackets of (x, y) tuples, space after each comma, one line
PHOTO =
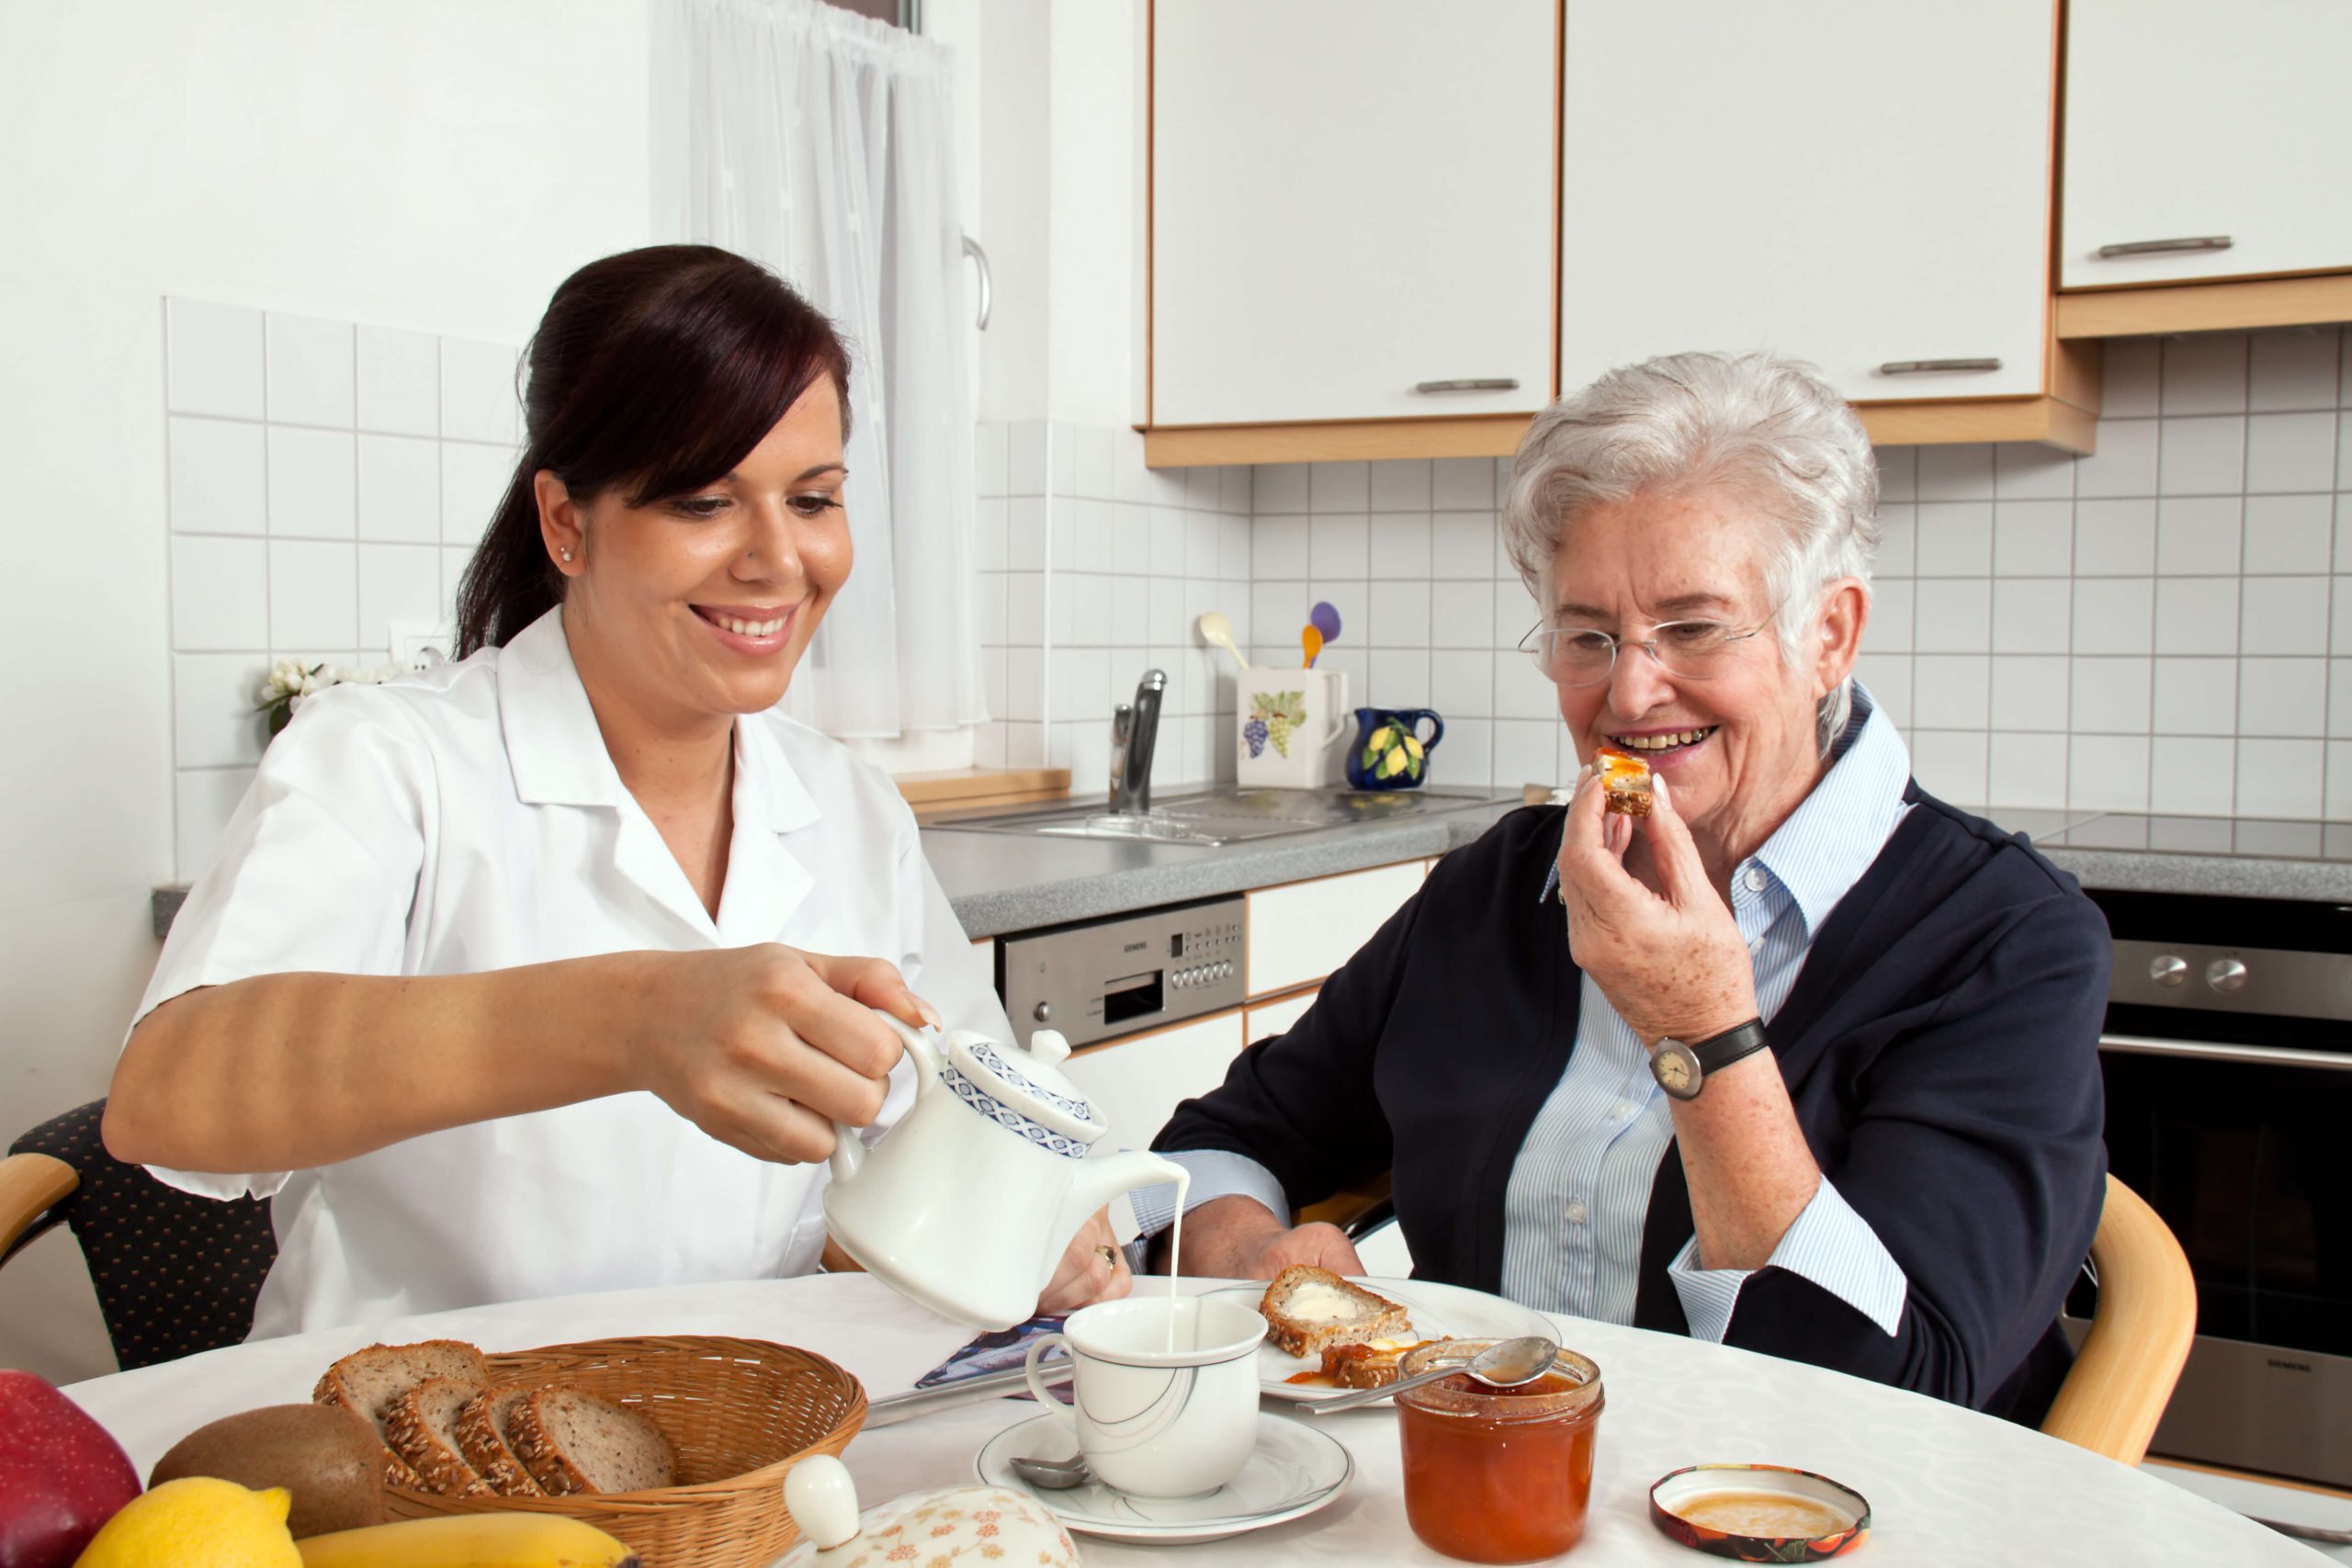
[(738, 1411)]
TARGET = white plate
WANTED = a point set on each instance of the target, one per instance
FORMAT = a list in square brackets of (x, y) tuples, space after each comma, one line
[(1295, 1470), (1439, 1311)]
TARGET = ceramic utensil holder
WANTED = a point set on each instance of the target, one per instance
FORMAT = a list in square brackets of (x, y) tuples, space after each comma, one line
[(1292, 727)]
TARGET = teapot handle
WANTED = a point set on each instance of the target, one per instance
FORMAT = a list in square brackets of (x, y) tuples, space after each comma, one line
[(849, 1149)]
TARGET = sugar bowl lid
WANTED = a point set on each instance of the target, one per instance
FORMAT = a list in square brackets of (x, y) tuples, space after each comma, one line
[(1012, 1086), (981, 1526)]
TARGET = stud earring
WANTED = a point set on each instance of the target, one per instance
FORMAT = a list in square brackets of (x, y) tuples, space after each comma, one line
[(566, 554)]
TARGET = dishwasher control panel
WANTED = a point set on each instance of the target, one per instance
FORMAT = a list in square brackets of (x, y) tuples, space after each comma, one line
[(1125, 974)]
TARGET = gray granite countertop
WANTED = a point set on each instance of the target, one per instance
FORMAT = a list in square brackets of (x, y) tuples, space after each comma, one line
[(1010, 882), (1002, 881)]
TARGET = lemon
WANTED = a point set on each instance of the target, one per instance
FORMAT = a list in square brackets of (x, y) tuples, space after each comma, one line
[(196, 1522)]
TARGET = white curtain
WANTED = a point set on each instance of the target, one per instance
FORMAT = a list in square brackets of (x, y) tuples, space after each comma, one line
[(821, 145)]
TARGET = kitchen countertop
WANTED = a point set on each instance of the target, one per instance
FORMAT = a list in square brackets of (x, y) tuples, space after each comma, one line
[(1009, 882)]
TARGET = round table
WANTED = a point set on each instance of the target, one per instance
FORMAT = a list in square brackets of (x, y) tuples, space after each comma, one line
[(1946, 1485)]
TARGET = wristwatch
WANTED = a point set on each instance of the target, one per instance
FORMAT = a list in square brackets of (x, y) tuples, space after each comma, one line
[(1682, 1070)]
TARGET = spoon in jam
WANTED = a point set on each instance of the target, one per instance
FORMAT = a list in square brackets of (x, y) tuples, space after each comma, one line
[(1507, 1363)]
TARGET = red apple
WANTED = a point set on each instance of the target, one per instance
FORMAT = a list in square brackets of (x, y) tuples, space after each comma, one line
[(61, 1475)]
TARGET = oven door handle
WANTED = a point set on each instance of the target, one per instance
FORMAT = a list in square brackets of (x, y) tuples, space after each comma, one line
[(2217, 1051)]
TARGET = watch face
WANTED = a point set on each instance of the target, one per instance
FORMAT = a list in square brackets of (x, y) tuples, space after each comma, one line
[(1676, 1070)]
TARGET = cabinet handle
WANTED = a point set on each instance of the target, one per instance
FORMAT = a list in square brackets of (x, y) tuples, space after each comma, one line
[(980, 259), (2162, 247), (1933, 366), (1475, 384)]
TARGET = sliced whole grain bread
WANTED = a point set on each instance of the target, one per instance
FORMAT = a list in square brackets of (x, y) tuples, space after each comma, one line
[(481, 1432), (369, 1381), (420, 1427), (572, 1442), (1308, 1309)]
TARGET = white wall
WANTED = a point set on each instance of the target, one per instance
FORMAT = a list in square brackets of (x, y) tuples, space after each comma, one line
[(435, 165)]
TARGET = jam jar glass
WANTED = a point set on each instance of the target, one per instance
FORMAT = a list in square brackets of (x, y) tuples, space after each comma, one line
[(1497, 1475)]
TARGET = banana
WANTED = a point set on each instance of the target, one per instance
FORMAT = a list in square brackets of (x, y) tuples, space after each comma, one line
[(471, 1540)]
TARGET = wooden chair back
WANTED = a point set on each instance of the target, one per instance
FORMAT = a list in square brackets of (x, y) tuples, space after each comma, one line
[(2139, 1334)]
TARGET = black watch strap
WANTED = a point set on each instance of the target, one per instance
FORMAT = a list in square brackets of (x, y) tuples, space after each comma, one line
[(1720, 1051)]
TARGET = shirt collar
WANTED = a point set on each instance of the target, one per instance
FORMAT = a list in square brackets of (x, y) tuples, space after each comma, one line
[(557, 752), (1839, 826)]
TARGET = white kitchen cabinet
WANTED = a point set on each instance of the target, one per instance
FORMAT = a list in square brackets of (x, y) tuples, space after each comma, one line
[(1135, 1084), (2195, 120), (1863, 186), (1302, 931), (1264, 1020), (1350, 199)]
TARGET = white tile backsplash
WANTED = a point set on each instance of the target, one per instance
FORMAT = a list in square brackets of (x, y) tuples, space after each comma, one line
[(311, 375), (213, 359), (294, 536), (313, 483)]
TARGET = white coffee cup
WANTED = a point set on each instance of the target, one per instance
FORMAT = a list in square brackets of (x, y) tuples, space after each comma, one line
[(1154, 1421)]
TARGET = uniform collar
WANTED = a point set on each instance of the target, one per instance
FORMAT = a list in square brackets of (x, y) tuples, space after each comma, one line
[(558, 751)]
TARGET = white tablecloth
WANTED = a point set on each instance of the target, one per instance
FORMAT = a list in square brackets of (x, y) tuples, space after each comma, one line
[(1946, 1486)]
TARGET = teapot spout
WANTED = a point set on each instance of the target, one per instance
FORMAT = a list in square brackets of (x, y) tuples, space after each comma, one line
[(1100, 1180)]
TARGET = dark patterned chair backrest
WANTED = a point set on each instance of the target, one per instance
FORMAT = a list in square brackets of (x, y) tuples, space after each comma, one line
[(175, 1273)]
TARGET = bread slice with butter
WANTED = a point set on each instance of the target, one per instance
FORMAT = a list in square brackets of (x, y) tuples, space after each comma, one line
[(1308, 1309)]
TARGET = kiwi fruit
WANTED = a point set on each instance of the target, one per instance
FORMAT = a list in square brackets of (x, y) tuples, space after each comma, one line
[(329, 1458)]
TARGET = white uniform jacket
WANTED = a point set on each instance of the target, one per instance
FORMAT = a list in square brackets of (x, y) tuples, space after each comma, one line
[(471, 819)]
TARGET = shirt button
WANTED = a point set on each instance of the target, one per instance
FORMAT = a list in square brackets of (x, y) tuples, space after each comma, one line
[(1620, 1111), (1575, 1213), (1754, 879)]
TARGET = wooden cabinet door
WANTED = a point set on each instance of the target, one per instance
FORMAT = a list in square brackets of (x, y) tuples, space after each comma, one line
[(2196, 120), (1302, 931), (1350, 199), (1863, 186)]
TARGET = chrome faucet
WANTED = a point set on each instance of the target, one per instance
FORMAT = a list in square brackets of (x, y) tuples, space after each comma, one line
[(1135, 729)]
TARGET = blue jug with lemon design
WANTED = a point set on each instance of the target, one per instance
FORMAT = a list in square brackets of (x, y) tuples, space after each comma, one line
[(1389, 751)]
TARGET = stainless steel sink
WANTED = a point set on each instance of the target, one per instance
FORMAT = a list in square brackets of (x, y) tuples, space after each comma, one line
[(1218, 816)]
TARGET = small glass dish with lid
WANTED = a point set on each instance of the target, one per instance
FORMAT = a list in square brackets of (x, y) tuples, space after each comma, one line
[(1497, 1474)]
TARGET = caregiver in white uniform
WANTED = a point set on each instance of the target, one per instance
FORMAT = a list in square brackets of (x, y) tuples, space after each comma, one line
[(548, 971)]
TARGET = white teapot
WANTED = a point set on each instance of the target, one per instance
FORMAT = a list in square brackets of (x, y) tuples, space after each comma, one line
[(965, 1206)]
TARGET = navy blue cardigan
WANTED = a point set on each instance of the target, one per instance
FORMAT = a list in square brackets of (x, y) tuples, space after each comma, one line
[(1940, 1047)]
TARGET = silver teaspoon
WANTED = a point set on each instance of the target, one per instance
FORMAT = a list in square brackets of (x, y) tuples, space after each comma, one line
[(1052, 1474), (1504, 1364)]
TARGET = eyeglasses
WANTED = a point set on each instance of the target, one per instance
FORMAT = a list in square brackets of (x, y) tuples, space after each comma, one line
[(1579, 655)]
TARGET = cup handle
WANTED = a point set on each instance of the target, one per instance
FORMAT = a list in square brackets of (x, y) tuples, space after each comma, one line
[(1437, 731), (1037, 1385), (1335, 687)]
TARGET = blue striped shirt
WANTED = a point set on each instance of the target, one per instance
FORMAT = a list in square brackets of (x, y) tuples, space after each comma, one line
[(1579, 1190)]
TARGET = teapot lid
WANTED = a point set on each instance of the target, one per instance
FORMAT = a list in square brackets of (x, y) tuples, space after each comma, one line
[(1024, 1091)]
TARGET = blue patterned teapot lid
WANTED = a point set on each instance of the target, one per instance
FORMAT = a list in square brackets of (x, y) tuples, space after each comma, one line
[(1024, 1091)]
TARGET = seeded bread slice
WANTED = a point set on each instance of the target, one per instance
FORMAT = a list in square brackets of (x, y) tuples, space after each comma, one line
[(369, 1381), (482, 1437), (1309, 1309), (419, 1426), (575, 1442)]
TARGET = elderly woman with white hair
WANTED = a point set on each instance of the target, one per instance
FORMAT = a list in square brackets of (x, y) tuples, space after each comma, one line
[(1806, 1061)]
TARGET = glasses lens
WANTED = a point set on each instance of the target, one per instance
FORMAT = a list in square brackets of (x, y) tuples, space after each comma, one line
[(1695, 649), (1573, 656)]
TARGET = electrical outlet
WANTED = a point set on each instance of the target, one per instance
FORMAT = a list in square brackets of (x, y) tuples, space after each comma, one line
[(421, 645)]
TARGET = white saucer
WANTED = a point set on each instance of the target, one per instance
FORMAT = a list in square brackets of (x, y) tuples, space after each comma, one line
[(1439, 1311), (1295, 1470)]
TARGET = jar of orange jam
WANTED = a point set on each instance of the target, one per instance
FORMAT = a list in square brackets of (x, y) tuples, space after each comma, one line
[(1497, 1475)]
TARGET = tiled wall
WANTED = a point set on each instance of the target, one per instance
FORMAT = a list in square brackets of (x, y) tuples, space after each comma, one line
[(326, 481), (1092, 570), (2156, 627)]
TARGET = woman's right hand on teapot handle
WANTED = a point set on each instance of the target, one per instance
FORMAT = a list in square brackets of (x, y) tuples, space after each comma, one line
[(765, 1047)]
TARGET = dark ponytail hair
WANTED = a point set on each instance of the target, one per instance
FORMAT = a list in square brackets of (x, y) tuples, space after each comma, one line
[(657, 369)]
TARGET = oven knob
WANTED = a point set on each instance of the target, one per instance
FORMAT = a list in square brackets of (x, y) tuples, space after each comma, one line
[(1042, 1012), (2168, 970), (2226, 974)]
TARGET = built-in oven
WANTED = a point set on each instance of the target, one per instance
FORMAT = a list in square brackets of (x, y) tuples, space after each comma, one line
[(1124, 974), (2228, 1064)]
